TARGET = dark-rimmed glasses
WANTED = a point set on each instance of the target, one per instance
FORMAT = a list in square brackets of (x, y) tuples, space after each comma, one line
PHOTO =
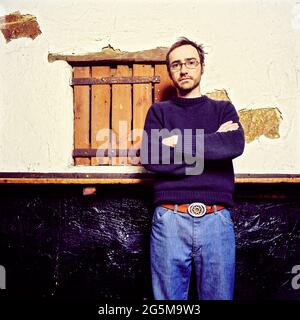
[(189, 63)]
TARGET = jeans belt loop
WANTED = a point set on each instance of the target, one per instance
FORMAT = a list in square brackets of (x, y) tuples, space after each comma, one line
[(215, 209), (175, 208)]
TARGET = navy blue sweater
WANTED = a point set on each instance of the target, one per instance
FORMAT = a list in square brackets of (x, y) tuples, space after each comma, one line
[(215, 184)]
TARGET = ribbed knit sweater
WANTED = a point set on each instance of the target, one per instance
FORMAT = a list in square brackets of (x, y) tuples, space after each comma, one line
[(215, 184)]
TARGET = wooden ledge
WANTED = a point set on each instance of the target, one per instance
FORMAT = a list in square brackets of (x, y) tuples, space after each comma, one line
[(125, 178), (110, 55)]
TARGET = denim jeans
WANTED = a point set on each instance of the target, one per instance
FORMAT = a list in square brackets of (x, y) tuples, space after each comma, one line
[(178, 240)]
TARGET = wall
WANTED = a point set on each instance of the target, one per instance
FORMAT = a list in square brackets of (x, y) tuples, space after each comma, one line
[(252, 51)]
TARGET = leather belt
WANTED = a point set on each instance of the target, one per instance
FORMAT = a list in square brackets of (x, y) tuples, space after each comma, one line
[(195, 209)]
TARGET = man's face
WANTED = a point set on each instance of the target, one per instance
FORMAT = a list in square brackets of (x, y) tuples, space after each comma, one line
[(185, 79)]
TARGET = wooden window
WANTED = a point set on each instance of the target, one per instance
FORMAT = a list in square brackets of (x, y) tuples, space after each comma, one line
[(114, 99), (113, 96), (110, 105)]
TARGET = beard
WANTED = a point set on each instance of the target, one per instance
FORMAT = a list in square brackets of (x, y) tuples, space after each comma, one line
[(185, 88)]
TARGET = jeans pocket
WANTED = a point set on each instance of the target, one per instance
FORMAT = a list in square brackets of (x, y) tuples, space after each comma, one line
[(159, 214), (226, 216)]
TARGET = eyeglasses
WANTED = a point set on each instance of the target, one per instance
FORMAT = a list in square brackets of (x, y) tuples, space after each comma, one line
[(189, 63)]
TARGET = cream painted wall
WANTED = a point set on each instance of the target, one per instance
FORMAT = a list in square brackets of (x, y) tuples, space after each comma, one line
[(253, 52)]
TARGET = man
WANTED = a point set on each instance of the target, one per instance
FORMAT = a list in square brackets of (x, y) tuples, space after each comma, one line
[(191, 222)]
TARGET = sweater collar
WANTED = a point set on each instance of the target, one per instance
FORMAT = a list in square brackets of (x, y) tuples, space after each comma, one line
[(189, 102)]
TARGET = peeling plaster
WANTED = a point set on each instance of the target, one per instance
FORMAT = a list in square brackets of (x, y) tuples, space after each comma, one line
[(218, 94), (16, 25), (258, 122)]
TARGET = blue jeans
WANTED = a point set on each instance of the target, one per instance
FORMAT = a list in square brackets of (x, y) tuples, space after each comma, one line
[(178, 240)]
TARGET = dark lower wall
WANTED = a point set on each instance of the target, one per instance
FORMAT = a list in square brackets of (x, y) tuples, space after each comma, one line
[(55, 242)]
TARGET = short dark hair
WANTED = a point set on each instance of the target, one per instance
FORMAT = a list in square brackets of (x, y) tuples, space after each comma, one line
[(185, 41)]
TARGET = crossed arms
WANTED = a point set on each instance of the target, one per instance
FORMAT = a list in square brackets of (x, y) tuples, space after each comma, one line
[(226, 143), (224, 127)]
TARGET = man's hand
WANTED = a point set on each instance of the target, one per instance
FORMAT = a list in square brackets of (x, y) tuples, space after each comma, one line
[(228, 126), (170, 141)]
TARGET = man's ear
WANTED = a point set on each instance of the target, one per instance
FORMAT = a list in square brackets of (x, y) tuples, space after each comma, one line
[(202, 68)]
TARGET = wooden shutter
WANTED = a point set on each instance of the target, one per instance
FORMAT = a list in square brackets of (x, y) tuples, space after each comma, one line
[(114, 97)]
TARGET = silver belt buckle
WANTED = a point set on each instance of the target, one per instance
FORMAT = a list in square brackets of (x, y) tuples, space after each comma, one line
[(197, 209)]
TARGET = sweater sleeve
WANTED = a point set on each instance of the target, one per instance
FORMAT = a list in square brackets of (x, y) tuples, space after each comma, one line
[(220, 145), (155, 156), (225, 145)]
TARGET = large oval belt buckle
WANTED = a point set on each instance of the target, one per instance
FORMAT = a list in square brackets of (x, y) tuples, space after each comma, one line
[(197, 209)]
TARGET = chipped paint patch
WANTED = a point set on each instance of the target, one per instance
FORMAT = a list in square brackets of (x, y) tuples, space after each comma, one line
[(218, 95), (258, 122), (16, 25)]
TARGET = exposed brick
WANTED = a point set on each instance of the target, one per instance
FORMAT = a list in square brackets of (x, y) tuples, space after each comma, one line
[(16, 25)]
